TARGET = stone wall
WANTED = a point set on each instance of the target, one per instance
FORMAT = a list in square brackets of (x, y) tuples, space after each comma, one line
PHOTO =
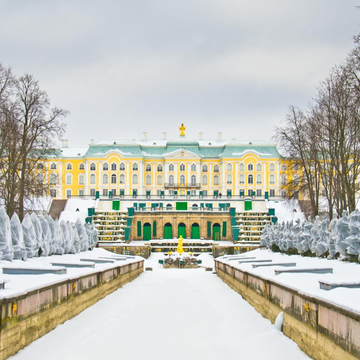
[(322, 330), (28, 317)]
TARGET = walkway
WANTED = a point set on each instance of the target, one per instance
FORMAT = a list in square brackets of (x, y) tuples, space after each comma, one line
[(167, 314)]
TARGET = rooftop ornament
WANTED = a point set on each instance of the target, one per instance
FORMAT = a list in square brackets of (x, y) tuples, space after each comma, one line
[(182, 129)]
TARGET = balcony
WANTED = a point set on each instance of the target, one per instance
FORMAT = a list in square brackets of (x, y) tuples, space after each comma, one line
[(182, 185)]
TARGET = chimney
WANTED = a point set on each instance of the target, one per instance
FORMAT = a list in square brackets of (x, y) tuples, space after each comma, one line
[(200, 135), (145, 136), (164, 135), (64, 143), (91, 141), (219, 136)]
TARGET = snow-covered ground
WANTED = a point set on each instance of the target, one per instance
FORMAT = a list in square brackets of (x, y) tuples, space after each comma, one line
[(70, 212), (167, 313), (286, 210), (343, 272)]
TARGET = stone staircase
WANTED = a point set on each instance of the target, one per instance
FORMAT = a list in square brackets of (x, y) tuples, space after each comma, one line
[(57, 206)]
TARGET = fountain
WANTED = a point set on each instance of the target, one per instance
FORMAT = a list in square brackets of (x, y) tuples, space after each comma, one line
[(180, 259)]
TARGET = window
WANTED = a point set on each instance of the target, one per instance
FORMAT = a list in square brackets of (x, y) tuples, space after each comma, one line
[(296, 179), (258, 179), (68, 179), (258, 167), (193, 180), (81, 167), (193, 167), (296, 167), (171, 180), (171, 167), (148, 167), (283, 179), (53, 193), (204, 180), (272, 167), (40, 178), (69, 167), (148, 180), (216, 180), (92, 192), (135, 179), (250, 179), (250, 192), (205, 168), (92, 179), (40, 166), (135, 167), (171, 192), (122, 179), (258, 192), (159, 180), (113, 191), (182, 180), (229, 179), (113, 166), (53, 179), (241, 167), (250, 167), (105, 167), (81, 192), (113, 178), (182, 167), (283, 194), (272, 179), (272, 192), (159, 168), (53, 166), (81, 179), (242, 179), (105, 192), (122, 167), (68, 193), (105, 179), (216, 168), (92, 167), (284, 168), (229, 167), (204, 192)]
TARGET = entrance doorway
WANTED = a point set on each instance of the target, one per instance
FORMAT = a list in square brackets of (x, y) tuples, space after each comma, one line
[(182, 230), (216, 232), (168, 231), (195, 231), (147, 231)]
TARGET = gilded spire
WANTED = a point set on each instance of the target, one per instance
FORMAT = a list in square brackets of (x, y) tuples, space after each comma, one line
[(182, 129)]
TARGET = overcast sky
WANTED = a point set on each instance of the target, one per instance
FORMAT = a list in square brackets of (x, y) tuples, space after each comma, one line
[(129, 66)]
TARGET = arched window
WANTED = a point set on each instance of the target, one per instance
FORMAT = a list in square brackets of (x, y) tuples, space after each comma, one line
[(258, 167), (171, 179), (193, 180), (148, 167), (105, 179), (229, 179), (182, 167), (53, 166), (229, 167), (122, 167), (159, 168), (159, 180), (171, 167), (250, 179), (68, 179), (241, 167), (258, 179), (40, 178), (53, 179), (242, 179), (216, 180), (182, 180), (283, 179), (135, 179), (272, 167), (92, 167), (296, 179), (216, 168), (193, 167), (113, 178), (135, 167), (92, 179), (250, 167), (148, 180), (69, 167), (81, 179), (204, 180), (105, 167), (272, 179), (284, 168), (122, 179), (81, 166), (113, 166), (205, 168)]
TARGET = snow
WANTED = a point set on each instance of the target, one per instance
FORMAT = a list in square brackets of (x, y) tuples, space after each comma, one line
[(284, 210), (308, 284), (70, 213), (167, 313), (73, 152)]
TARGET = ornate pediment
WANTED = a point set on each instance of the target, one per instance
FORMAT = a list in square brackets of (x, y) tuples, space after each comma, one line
[(181, 154)]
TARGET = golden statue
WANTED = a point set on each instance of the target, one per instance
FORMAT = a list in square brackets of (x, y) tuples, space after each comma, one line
[(182, 129), (180, 245)]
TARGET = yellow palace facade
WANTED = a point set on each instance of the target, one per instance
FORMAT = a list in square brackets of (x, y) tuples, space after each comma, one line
[(166, 168)]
